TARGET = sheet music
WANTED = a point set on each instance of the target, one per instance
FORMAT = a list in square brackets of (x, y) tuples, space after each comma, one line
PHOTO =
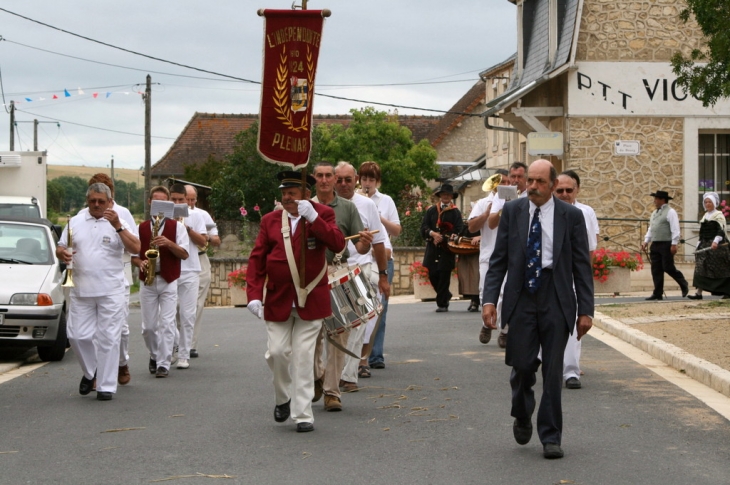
[(165, 206), (180, 210), (507, 192)]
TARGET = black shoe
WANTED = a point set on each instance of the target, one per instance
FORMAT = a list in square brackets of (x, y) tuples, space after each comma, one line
[(573, 383), (282, 413), (685, 290), (695, 297), (522, 429), (304, 427), (86, 385), (473, 307), (377, 365), (152, 366), (162, 372), (193, 353), (654, 297), (552, 451), (442, 309), (103, 396)]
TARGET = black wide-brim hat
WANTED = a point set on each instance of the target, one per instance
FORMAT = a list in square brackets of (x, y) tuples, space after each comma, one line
[(661, 195), (448, 189), (291, 178)]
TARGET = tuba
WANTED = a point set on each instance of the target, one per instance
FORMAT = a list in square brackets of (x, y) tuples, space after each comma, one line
[(68, 282), (490, 185), (153, 254)]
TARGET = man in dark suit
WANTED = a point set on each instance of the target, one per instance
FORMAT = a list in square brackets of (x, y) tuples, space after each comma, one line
[(542, 247), (293, 315)]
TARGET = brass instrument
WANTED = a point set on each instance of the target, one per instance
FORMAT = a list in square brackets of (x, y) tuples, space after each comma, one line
[(153, 254), (491, 184), (68, 282)]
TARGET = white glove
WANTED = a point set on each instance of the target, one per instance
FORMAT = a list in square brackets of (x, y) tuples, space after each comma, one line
[(306, 210), (255, 307)]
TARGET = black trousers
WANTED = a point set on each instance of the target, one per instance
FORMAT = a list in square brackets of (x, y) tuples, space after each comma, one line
[(440, 280), (538, 322), (662, 261)]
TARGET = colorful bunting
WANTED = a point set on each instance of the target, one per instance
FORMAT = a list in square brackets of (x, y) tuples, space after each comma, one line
[(66, 93)]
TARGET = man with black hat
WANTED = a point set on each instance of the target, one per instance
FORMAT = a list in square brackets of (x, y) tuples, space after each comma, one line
[(663, 234), (293, 314), (441, 221)]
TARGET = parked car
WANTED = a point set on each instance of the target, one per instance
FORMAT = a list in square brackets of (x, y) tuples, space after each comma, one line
[(32, 302), (15, 206)]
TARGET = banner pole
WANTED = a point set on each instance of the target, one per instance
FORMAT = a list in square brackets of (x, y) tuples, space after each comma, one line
[(303, 249)]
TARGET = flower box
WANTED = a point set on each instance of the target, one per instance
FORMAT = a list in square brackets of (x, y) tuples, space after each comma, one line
[(238, 296), (612, 270), (619, 282)]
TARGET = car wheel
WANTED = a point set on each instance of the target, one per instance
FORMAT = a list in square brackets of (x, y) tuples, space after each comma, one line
[(55, 351)]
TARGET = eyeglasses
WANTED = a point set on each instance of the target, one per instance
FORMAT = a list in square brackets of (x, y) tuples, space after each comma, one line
[(567, 191), (347, 180)]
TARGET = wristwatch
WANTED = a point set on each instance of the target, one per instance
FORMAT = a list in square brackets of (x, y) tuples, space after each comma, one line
[(120, 229), (383, 272)]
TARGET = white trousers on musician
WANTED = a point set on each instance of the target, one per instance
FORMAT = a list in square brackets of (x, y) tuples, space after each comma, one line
[(203, 285), (290, 353), (187, 304), (158, 303), (94, 329), (124, 342), (571, 358)]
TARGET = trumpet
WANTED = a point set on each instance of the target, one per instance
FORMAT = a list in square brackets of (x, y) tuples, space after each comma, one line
[(153, 254), (491, 184), (68, 282)]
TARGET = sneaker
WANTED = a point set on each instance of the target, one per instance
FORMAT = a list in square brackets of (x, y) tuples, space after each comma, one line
[(347, 386), (485, 335), (502, 340), (174, 356), (161, 372), (183, 364), (123, 376), (332, 403)]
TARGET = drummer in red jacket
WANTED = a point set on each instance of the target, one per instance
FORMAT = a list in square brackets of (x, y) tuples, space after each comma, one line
[(293, 316)]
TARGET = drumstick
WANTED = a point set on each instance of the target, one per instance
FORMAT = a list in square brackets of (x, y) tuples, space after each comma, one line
[(350, 238)]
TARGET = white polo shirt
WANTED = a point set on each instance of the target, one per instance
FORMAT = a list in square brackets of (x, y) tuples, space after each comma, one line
[(489, 236), (210, 225), (370, 220), (195, 222), (98, 268), (387, 210)]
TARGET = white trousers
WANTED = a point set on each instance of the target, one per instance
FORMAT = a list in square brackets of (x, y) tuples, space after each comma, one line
[(158, 303), (94, 330), (187, 303), (290, 354), (571, 359), (124, 342), (203, 285)]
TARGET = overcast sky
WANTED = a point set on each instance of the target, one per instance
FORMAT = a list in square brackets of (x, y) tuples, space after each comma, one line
[(364, 44)]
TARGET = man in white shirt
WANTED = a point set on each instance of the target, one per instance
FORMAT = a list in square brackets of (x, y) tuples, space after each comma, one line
[(663, 234), (345, 181), (158, 301), (187, 284), (98, 238), (204, 278)]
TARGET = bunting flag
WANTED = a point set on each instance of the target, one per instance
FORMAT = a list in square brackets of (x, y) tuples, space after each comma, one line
[(80, 92), (291, 51), (66, 93)]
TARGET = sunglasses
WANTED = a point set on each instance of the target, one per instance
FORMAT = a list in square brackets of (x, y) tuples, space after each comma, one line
[(347, 180), (567, 191)]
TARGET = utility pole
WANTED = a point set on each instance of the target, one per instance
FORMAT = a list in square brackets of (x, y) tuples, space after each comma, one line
[(35, 135), (147, 146), (12, 126), (112, 168)]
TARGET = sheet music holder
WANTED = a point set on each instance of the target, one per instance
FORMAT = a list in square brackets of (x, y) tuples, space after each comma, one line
[(165, 206), (180, 210), (507, 192)]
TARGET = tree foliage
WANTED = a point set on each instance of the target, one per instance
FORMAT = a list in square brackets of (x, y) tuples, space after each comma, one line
[(67, 195), (709, 80), (206, 173)]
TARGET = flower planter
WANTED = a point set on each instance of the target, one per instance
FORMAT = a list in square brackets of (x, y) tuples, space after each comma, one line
[(619, 280), (238, 296), (423, 290)]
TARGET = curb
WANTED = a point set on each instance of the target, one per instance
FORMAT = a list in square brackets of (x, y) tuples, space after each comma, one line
[(707, 373), (9, 366)]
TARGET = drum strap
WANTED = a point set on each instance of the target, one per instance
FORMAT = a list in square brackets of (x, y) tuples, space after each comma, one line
[(302, 293)]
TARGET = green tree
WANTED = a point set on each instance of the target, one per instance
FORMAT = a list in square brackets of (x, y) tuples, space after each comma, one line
[(74, 193), (377, 136), (54, 195), (207, 173), (710, 80)]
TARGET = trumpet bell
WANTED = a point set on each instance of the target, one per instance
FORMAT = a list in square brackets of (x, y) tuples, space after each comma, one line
[(68, 281), (492, 182)]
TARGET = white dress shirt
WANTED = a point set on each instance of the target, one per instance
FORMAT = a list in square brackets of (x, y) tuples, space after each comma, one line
[(673, 220)]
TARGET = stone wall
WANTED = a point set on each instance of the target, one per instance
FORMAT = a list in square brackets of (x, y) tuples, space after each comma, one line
[(464, 143), (635, 30)]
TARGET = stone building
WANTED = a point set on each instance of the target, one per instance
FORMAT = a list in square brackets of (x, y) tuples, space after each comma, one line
[(597, 74)]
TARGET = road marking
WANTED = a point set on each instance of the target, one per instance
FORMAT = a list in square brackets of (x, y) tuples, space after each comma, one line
[(20, 371), (710, 397)]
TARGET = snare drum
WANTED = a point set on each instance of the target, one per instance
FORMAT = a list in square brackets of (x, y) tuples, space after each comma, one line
[(354, 300)]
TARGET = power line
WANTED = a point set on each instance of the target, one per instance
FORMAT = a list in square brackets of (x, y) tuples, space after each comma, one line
[(391, 105)]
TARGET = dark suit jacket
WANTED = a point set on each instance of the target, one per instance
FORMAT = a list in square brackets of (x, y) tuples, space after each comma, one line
[(268, 260), (571, 260)]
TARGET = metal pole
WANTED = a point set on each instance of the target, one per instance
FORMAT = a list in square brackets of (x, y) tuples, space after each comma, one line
[(147, 146), (12, 126), (35, 135), (112, 168)]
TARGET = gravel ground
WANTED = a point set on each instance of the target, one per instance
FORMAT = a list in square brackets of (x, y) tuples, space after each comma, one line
[(702, 328)]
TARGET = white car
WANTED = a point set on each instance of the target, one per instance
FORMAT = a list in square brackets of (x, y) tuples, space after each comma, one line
[(32, 302)]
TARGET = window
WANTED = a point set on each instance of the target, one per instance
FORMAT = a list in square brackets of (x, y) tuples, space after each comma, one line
[(714, 166)]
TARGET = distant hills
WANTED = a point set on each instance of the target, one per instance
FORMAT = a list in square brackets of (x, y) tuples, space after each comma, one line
[(126, 174)]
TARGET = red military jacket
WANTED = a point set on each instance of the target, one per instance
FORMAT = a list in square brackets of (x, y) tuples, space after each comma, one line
[(169, 263), (268, 260)]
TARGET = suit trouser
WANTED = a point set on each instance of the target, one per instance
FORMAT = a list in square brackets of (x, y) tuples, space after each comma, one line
[(203, 285), (94, 331), (187, 303), (538, 323), (662, 261), (158, 303), (289, 354), (440, 280)]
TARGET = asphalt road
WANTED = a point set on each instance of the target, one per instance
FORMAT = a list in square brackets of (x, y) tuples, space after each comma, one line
[(438, 413)]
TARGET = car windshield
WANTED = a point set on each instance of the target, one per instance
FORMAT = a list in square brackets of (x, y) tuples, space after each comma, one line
[(24, 243), (29, 211)]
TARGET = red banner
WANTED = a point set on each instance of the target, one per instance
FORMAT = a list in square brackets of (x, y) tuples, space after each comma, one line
[(291, 50)]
